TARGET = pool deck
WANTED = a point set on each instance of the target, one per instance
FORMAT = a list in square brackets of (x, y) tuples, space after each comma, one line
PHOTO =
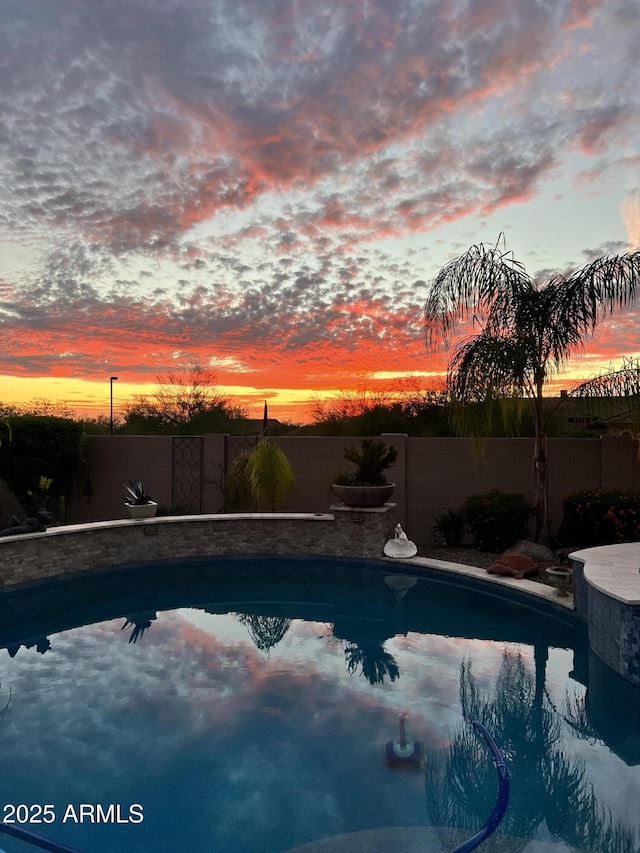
[(613, 570)]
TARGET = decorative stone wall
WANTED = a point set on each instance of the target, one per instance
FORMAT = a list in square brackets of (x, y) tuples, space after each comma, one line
[(77, 548), (580, 589), (606, 597), (614, 634)]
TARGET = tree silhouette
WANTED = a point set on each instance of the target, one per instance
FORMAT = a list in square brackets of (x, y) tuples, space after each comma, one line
[(140, 622), (364, 649), (265, 631), (374, 662)]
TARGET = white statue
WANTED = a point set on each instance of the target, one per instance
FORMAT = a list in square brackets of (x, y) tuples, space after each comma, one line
[(400, 546)]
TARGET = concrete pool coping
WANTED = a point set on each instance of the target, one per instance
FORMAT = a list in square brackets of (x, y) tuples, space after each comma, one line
[(613, 570), (540, 591)]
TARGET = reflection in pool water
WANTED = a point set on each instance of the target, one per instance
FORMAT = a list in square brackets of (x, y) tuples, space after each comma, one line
[(248, 709)]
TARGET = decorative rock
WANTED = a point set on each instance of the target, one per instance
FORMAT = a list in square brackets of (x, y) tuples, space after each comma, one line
[(38, 524), (513, 565), (539, 553)]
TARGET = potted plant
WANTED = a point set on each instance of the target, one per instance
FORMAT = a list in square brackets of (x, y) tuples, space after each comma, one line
[(366, 485), (138, 501)]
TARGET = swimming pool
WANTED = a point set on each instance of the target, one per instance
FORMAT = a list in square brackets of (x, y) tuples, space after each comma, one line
[(245, 704)]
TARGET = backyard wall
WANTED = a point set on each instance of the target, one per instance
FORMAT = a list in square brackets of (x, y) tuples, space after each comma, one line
[(432, 474)]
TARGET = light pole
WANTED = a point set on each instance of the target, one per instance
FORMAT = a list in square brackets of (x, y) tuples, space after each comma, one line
[(112, 379)]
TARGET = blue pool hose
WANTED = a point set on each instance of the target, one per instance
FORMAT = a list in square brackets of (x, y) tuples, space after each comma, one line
[(503, 795), (32, 838)]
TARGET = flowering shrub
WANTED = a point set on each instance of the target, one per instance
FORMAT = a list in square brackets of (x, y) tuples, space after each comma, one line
[(600, 517), (497, 520)]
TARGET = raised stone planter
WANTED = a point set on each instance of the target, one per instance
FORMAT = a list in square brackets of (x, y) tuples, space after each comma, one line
[(607, 598), (84, 547)]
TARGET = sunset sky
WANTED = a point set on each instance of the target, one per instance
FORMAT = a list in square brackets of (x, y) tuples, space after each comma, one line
[(269, 186)]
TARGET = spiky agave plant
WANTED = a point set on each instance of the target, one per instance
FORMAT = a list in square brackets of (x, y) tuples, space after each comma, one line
[(135, 493)]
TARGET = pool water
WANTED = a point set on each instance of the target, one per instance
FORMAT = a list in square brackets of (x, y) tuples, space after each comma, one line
[(246, 705)]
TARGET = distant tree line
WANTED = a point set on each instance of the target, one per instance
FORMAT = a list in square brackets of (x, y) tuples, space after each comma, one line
[(185, 402)]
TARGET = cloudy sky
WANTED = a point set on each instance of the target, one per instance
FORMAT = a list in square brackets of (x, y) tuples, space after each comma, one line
[(268, 186)]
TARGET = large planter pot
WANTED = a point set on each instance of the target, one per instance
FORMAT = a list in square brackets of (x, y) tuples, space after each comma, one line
[(364, 497), (141, 510)]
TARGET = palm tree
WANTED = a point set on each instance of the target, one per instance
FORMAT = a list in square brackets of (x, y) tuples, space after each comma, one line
[(374, 661), (527, 331)]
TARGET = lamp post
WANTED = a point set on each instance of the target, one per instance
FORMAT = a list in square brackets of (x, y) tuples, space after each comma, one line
[(112, 379)]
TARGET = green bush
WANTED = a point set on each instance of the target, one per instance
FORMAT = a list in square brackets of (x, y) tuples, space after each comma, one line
[(258, 479), (497, 520), (37, 450), (600, 517), (450, 525)]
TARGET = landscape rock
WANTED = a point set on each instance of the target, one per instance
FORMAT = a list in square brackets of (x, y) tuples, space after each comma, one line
[(534, 550), (513, 565)]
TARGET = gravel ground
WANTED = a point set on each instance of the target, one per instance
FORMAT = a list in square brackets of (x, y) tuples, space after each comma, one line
[(454, 554), (472, 557)]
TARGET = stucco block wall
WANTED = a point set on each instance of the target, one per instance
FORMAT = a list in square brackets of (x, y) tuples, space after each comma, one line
[(113, 460), (431, 474), (315, 461), (444, 471)]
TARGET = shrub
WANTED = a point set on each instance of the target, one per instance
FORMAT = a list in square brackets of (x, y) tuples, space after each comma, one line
[(39, 449), (497, 520), (238, 496), (599, 517), (270, 475), (260, 478), (450, 526)]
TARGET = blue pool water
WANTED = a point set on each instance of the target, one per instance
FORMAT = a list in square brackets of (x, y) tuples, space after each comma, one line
[(246, 705)]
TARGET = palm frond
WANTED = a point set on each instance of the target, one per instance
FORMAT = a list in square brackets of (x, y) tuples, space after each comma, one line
[(613, 394), (483, 282), (595, 290), (622, 382), (488, 364)]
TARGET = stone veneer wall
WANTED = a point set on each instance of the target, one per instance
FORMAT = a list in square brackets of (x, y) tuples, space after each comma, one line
[(613, 625), (614, 634), (75, 548)]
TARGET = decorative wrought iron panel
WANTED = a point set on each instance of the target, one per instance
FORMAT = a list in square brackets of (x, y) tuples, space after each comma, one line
[(237, 444), (186, 486)]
